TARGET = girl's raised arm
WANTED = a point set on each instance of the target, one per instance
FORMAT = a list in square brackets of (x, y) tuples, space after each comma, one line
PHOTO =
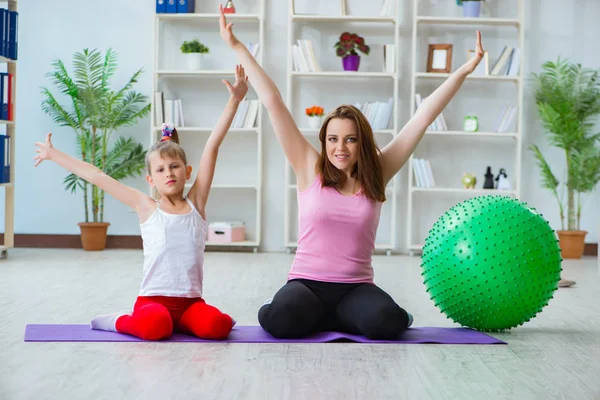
[(200, 189), (132, 197)]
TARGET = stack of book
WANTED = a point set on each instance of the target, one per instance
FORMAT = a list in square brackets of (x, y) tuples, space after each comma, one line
[(167, 110), (378, 113), (423, 174), (245, 117), (304, 57), (440, 122), (507, 64)]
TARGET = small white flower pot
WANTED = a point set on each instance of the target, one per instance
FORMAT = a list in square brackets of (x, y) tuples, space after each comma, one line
[(314, 122), (194, 61)]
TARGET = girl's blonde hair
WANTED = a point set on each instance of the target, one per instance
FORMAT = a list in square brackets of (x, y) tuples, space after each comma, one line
[(167, 146)]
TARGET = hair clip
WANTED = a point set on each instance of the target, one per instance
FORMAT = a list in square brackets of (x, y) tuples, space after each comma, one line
[(167, 131)]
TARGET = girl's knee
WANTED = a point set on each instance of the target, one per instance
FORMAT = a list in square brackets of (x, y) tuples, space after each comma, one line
[(155, 322)]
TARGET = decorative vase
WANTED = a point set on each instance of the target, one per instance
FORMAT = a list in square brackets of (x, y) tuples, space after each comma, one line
[(351, 62), (471, 8), (314, 122), (572, 243), (194, 61), (93, 235)]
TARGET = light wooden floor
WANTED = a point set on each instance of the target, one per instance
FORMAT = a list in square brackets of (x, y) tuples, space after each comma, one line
[(556, 355)]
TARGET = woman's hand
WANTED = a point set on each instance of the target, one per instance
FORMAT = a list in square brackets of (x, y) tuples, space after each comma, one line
[(240, 87), (43, 150), (470, 65), (226, 32)]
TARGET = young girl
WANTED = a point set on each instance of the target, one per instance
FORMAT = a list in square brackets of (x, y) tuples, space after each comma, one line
[(174, 231), (340, 193)]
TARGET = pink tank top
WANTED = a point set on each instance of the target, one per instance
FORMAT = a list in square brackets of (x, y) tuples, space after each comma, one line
[(336, 236)]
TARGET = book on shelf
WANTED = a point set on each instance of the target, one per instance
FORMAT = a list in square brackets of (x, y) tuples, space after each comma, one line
[(9, 21), (167, 110), (388, 8), (422, 172), (245, 117), (505, 119), (389, 58), (7, 82), (439, 124), (378, 113), (507, 63), (304, 57), (253, 48)]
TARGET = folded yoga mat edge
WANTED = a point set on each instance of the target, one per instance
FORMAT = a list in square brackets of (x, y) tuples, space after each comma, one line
[(255, 334)]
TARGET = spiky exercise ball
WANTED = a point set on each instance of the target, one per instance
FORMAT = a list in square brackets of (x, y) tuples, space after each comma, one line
[(491, 263)]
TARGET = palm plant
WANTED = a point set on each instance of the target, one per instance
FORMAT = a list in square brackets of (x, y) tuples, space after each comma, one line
[(568, 100), (96, 111)]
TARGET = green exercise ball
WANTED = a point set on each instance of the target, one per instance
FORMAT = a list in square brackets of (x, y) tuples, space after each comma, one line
[(491, 263)]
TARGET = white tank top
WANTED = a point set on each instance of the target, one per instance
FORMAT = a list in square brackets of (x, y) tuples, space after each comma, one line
[(173, 253)]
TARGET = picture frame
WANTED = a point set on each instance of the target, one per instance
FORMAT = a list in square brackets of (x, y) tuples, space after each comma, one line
[(439, 58), (483, 69)]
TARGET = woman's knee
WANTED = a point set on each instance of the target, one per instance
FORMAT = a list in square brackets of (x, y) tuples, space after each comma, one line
[(386, 322), (286, 320)]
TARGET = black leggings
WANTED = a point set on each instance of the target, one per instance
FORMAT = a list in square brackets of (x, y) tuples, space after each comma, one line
[(302, 307)]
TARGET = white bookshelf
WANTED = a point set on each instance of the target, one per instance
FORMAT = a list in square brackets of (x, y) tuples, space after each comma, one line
[(456, 29), (324, 30), (236, 192), (10, 129)]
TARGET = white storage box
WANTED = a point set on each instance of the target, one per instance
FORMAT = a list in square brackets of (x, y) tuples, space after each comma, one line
[(226, 232)]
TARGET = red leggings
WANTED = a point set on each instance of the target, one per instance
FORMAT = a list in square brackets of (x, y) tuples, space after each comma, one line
[(157, 317)]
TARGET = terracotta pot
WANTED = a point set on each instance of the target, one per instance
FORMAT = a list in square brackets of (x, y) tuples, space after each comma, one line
[(572, 243), (93, 235)]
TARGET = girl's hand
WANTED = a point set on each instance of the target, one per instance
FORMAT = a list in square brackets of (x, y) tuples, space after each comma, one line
[(474, 62), (43, 151), (239, 89), (225, 28)]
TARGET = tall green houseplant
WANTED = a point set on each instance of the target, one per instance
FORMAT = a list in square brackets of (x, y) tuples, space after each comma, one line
[(95, 111), (567, 96)]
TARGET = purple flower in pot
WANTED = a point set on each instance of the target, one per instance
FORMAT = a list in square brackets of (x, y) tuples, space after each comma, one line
[(347, 47)]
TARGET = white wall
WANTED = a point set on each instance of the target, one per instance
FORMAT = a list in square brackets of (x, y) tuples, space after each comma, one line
[(47, 33)]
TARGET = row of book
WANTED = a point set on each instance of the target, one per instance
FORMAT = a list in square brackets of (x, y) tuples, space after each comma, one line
[(167, 110), (505, 119), (422, 172), (5, 159), (378, 113), (175, 6), (6, 96), (304, 57), (440, 122), (507, 63), (246, 114), (171, 110), (8, 33)]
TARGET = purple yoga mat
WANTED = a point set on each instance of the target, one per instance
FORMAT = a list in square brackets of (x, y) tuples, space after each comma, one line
[(255, 334)]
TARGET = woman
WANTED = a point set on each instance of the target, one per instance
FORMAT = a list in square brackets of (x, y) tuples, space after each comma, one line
[(340, 193)]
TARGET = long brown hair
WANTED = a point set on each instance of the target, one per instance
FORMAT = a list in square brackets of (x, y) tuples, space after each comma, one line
[(367, 170), (167, 148)]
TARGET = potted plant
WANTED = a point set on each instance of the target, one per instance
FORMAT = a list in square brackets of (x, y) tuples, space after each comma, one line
[(568, 100), (315, 115), (96, 111), (471, 8), (346, 48), (194, 52)]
